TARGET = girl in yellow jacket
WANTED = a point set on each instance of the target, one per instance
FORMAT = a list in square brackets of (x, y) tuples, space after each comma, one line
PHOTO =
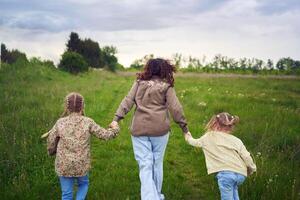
[(225, 154)]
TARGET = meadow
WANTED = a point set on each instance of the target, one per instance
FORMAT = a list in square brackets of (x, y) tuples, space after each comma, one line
[(31, 97)]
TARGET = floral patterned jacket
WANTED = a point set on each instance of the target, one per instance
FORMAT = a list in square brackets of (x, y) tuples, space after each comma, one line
[(73, 147)]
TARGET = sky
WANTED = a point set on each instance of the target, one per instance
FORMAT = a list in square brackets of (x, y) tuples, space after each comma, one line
[(235, 28)]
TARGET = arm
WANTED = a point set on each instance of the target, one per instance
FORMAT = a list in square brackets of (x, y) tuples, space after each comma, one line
[(126, 103), (245, 155), (176, 110), (194, 142), (52, 140), (102, 133)]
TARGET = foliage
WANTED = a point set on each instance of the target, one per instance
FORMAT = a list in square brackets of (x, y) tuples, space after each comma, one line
[(39, 61), (139, 63), (95, 56), (109, 58), (224, 64), (88, 48), (73, 62), (11, 56)]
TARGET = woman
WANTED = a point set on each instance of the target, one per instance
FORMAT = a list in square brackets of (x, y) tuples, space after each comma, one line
[(154, 95)]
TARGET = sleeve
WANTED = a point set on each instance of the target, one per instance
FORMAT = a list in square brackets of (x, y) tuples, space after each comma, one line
[(52, 140), (194, 142), (126, 103), (175, 109), (102, 133), (245, 155)]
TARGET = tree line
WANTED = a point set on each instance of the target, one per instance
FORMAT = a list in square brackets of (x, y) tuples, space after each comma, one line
[(221, 63), (79, 56), (11, 56), (82, 54)]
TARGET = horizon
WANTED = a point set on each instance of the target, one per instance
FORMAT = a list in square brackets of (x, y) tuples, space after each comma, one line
[(262, 29)]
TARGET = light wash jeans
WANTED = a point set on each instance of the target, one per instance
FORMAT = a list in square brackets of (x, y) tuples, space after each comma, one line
[(228, 182), (149, 153), (67, 184)]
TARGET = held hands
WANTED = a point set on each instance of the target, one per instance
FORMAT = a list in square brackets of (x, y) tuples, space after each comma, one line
[(187, 136), (114, 125)]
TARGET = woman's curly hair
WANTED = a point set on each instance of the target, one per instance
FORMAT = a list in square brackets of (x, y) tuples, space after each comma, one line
[(158, 67)]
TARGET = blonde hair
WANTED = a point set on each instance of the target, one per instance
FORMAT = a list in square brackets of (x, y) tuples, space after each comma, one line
[(74, 102), (222, 122)]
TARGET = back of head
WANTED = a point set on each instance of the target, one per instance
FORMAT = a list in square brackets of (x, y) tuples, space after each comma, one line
[(74, 103), (158, 67), (222, 122)]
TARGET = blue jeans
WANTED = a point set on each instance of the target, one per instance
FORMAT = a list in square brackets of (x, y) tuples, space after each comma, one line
[(228, 184), (67, 184), (149, 153)]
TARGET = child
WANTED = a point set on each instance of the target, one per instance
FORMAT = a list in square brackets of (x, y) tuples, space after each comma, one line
[(69, 139), (225, 154)]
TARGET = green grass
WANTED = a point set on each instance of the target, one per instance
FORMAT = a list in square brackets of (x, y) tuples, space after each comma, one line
[(32, 100)]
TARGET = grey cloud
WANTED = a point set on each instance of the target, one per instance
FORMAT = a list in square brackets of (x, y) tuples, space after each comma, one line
[(38, 21), (102, 15), (269, 7)]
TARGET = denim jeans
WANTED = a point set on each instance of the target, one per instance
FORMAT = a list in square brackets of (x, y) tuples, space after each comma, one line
[(67, 184), (149, 153), (228, 182)]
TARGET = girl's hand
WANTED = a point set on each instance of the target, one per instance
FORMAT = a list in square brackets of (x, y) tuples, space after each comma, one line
[(114, 125), (187, 136)]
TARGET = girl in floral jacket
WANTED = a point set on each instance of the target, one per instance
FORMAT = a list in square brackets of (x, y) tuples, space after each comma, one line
[(69, 139)]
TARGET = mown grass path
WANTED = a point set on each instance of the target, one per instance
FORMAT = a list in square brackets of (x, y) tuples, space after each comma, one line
[(32, 100)]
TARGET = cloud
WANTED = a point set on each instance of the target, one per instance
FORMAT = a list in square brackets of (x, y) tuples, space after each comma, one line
[(236, 28), (36, 20), (271, 7), (101, 15)]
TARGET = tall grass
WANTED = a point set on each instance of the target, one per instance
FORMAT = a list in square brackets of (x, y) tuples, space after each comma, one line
[(32, 100)]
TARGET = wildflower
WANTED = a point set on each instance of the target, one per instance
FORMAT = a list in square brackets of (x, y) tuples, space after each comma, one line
[(202, 103), (258, 154), (270, 180), (273, 99)]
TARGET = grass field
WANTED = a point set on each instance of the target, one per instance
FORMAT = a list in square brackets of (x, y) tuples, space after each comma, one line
[(32, 100)]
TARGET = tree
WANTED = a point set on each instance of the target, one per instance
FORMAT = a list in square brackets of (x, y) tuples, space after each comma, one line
[(74, 42), (73, 62), (88, 48), (137, 64), (243, 63), (177, 59), (109, 58), (140, 63), (11, 56), (194, 63), (4, 53), (15, 55), (286, 64), (258, 64), (270, 64)]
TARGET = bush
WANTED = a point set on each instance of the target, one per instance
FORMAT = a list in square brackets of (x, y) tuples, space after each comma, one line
[(12, 56), (73, 62), (39, 61)]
